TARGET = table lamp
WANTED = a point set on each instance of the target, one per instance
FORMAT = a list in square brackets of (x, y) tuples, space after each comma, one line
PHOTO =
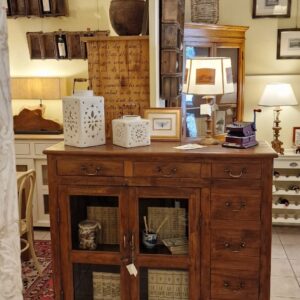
[(276, 95), (208, 77)]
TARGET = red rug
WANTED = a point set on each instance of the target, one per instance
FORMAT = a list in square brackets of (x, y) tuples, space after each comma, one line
[(38, 287)]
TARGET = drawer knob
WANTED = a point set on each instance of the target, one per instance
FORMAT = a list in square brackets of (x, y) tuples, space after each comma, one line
[(166, 173), (231, 174), (87, 172), (293, 164)]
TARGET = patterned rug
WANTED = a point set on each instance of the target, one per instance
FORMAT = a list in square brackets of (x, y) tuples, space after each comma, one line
[(38, 287)]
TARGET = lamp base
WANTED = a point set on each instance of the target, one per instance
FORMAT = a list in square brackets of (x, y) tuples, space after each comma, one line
[(276, 145), (209, 141)]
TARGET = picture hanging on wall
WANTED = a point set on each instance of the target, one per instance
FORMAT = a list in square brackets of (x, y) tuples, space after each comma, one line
[(288, 43), (296, 136), (271, 9)]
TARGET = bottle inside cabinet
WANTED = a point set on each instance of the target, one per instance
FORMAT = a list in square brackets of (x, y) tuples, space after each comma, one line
[(46, 6), (40, 8), (61, 45)]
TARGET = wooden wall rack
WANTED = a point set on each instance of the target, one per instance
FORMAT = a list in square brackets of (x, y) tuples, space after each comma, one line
[(43, 45), (171, 55), (28, 8)]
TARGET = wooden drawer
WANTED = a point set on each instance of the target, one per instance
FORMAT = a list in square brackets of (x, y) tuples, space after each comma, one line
[(235, 204), (233, 244), (171, 36), (173, 11), (234, 285), (22, 148), (168, 169), (171, 86), (287, 164), (242, 170), (69, 167)]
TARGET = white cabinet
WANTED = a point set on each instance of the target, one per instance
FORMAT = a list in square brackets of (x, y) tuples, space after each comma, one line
[(286, 189), (29, 155)]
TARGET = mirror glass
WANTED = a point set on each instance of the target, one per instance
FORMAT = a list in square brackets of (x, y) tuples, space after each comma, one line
[(224, 107)]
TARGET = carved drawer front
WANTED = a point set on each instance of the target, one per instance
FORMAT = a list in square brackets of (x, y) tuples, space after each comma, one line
[(234, 285), (66, 167), (243, 170), (233, 244), (168, 169), (286, 164), (235, 204)]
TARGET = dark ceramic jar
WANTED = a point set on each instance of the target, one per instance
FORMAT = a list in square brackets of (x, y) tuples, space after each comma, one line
[(126, 16)]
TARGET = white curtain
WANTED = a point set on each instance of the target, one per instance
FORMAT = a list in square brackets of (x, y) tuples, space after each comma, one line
[(10, 264)]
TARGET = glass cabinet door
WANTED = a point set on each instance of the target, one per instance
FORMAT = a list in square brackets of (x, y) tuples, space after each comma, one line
[(92, 226), (167, 232)]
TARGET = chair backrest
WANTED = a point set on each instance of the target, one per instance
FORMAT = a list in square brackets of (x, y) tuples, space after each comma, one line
[(26, 185)]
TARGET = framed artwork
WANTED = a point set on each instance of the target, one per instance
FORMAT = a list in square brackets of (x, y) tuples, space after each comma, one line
[(165, 123), (296, 136), (271, 9), (288, 43)]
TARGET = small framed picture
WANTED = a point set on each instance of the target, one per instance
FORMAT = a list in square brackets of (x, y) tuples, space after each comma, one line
[(165, 123), (271, 9), (296, 136), (288, 43)]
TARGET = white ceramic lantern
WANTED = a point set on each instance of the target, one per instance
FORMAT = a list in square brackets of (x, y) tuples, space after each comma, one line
[(131, 131), (84, 121)]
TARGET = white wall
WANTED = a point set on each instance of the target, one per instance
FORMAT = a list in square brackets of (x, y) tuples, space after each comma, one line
[(260, 60)]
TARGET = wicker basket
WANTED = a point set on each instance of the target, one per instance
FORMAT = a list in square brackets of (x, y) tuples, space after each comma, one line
[(205, 11), (168, 285)]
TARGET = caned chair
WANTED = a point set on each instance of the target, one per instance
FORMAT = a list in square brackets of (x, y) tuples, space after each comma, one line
[(26, 185)]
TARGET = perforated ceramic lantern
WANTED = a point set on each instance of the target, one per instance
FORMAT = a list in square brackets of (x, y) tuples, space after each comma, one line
[(131, 131), (84, 121)]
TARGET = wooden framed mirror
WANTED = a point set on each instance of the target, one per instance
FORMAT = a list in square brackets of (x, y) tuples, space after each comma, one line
[(207, 40)]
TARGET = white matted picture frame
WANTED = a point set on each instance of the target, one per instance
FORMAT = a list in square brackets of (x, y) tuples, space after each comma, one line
[(296, 136), (288, 43), (271, 9), (165, 123)]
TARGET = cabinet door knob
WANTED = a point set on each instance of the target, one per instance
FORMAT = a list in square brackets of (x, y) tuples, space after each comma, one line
[(242, 205)]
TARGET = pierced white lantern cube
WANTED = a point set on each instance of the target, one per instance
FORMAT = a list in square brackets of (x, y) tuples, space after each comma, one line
[(84, 121), (131, 131)]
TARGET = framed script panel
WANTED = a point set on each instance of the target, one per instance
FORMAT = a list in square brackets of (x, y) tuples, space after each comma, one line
[(288, 43), (271, 9)]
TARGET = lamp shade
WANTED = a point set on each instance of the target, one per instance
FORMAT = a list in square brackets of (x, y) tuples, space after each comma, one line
[(208, 76), (278, 94)]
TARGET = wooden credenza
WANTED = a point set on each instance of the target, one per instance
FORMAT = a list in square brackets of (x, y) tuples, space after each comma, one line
[(220, 199)]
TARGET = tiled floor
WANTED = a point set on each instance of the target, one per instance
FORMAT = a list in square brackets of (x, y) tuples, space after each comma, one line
[(285, 274)]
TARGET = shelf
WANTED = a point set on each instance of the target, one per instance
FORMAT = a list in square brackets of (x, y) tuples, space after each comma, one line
[(29, 8), (283, 192), (286, 178), (289, 207), (283, 221), (44, 45)]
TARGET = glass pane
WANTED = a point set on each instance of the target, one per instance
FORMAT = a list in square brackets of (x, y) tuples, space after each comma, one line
[(195, 124), (95, 282), (21, 168), (45, 174), (166, 220), (46, 204), (102, 232), (227, 103), (161, 284)]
